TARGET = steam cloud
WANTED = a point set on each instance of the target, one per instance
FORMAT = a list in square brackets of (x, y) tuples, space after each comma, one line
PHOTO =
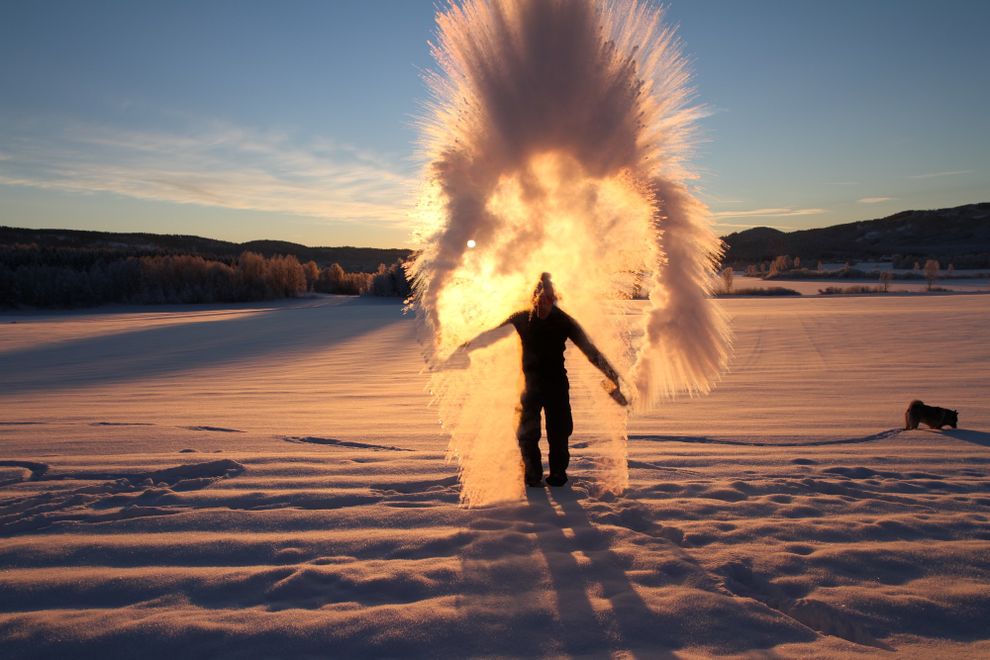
[(556, 141)]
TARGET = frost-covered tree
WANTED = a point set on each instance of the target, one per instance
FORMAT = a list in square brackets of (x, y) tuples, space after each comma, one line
[(727, 277), (780, 264), (931, 272), (312, 272), (885, 277)]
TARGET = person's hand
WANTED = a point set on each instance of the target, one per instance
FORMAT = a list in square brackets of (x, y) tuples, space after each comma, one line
[(459, 359), (614, 391)]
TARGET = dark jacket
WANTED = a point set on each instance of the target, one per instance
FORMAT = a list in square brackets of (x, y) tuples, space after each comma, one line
[(543, 345)]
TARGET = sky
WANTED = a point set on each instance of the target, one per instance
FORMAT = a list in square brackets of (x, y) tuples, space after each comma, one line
[(297, 120)]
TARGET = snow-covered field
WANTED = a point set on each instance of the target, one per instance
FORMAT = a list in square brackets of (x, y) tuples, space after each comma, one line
[(269, 481)]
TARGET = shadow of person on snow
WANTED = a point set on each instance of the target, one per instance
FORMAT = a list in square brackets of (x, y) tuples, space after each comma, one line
[(583, 568), (600, 609)]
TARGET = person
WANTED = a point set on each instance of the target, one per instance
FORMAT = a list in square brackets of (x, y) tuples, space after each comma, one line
[(544, 330)]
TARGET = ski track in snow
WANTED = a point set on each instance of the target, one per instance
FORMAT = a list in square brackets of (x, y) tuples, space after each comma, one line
[(783, 514)]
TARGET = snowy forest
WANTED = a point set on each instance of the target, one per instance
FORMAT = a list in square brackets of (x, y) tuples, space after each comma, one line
[(81, 277)]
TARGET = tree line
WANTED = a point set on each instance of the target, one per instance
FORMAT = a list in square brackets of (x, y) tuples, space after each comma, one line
[(783, 267), (81, 277), (912, 269)]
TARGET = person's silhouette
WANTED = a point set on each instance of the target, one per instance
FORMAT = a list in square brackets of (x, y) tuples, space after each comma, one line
[(544, 330)]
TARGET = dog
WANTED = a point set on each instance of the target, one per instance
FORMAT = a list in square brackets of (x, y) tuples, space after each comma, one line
[(918, 413)]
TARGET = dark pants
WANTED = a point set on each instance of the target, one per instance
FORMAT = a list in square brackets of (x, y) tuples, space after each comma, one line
[(554, 400)]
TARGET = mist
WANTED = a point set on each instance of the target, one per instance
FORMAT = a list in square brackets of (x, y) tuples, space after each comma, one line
[(557, 141)]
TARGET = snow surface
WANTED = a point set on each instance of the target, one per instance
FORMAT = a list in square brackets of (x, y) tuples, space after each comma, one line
[(269, 481)]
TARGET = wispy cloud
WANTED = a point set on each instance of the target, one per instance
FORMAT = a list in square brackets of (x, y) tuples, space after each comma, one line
[(216, 165), (712, 198), (932, 175), (768, 213), (874, 200), (841, 183)]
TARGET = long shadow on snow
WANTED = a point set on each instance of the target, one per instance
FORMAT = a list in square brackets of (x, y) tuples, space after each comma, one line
[(633, 621), (158, 351), (976, 437), (630, 622)]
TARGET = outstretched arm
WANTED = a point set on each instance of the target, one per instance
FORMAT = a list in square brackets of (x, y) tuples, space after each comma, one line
[(580, 339), (460, 358), (488, 337)]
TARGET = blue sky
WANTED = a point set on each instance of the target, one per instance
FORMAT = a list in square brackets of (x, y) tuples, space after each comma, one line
[(296, 120)]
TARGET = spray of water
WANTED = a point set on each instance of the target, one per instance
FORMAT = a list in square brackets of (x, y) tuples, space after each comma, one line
[(556, 141)]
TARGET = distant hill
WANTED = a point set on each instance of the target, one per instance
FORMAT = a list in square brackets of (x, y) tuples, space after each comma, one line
[(960, 234), (352, 259)]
